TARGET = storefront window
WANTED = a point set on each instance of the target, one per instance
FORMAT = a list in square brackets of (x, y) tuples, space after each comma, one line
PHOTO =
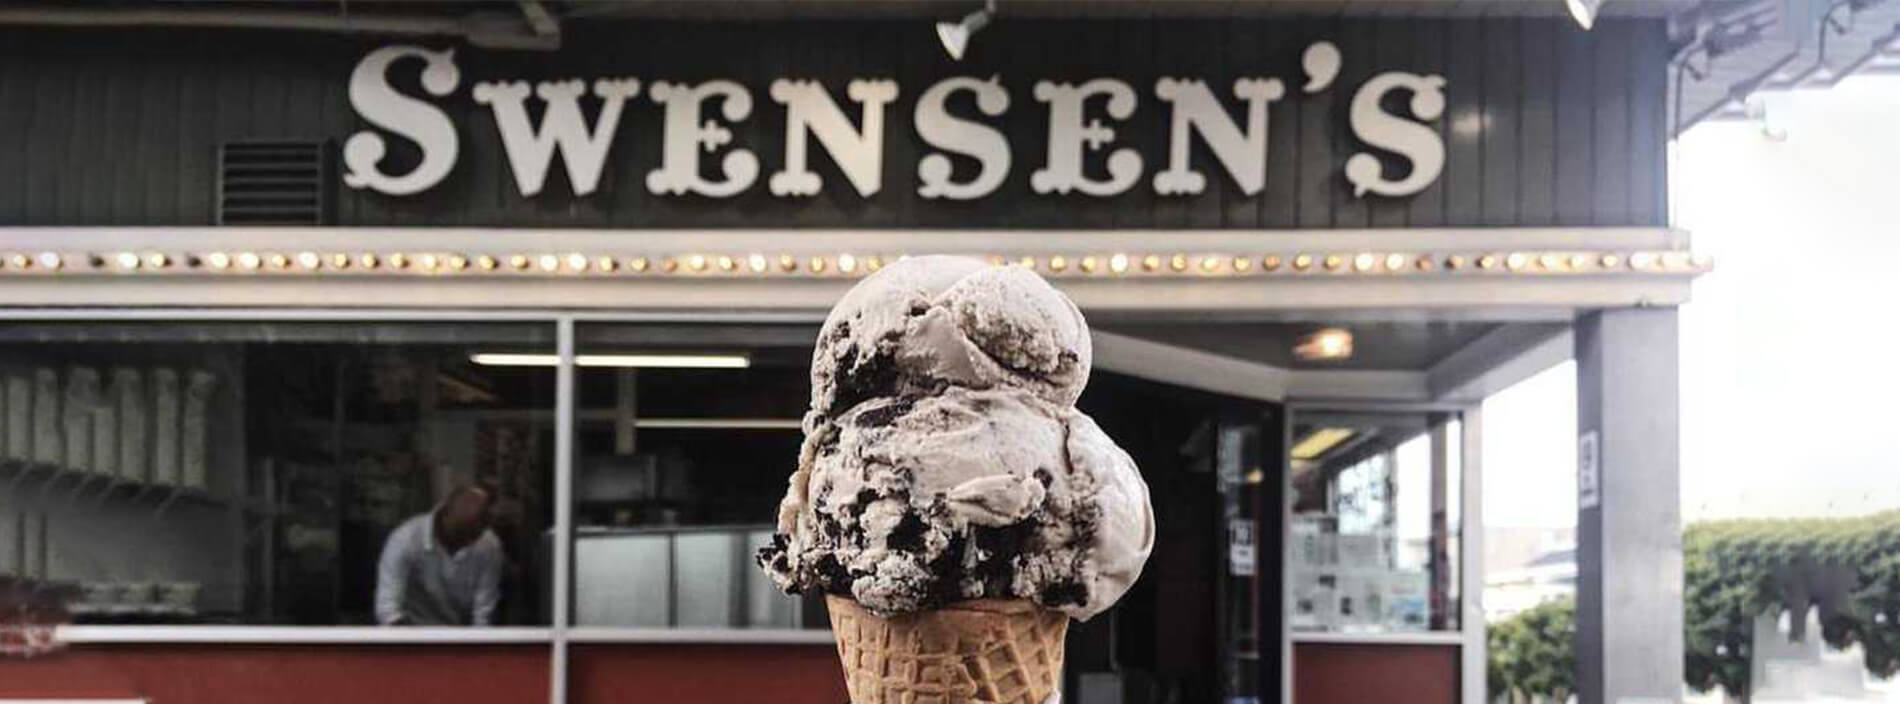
[(278, 473), (685, 438), (1373, 537)]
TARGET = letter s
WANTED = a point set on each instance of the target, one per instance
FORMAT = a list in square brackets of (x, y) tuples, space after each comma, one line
[(1412, 140), (379, 104), (950, 133)]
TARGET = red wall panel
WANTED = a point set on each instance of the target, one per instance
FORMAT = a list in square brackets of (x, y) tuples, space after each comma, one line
[(1375, 674), (211, 674), (444, 674), (705, 674)]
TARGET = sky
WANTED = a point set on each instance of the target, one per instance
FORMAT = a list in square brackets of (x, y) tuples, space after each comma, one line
[(1789, 378)]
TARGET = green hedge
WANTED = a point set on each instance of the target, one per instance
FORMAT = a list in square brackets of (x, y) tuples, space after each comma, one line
[(1530, 654), (1733, 572)]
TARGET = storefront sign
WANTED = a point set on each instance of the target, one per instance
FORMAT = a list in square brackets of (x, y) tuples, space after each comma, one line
[(1083, 119)]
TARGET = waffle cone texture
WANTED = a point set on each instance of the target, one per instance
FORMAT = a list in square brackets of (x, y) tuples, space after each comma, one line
[(974, 652)]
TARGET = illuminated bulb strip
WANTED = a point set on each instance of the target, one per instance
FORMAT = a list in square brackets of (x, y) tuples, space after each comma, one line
[(851, 265)]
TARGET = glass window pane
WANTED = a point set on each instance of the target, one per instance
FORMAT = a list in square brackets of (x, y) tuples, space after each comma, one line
[(1372, 538), (278, 473), (685, 436)]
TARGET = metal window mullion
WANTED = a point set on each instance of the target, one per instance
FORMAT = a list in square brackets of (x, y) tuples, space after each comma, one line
[(564, 401), (1471, 556), (1286, 539)]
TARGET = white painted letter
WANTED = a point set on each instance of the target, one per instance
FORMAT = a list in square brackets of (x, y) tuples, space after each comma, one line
[(1067, 135), (858, 153), (379, 104), (685, 136), (1412, 140), (531, 151), (1196, 109), (940, 129)]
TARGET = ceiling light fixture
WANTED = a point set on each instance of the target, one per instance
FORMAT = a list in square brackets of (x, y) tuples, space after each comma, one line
[(1584, 12), (625, 361), (1324, 344), (956, 35), (1318, 442)]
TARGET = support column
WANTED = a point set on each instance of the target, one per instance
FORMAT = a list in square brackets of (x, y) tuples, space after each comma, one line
[(1629, 527)]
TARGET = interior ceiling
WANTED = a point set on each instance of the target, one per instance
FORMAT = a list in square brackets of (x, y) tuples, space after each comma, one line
[(1376, 345), (1413, 345)]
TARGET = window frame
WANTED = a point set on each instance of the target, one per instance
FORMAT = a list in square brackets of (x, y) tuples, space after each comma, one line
[(560, 630), (1469, 637)]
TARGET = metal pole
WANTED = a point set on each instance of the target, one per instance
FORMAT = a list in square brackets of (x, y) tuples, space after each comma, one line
[(563, 505)]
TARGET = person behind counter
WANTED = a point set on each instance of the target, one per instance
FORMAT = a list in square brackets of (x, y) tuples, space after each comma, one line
[(442, 568)]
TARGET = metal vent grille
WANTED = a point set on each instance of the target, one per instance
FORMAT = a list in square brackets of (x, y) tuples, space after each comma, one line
[(273, 183)]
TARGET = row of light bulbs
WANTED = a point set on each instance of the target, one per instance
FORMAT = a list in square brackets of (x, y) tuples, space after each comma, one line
[(847, 264)]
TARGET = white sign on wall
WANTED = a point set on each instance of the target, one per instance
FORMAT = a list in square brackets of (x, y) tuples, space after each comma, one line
[(1083, 121), (1589, 471)]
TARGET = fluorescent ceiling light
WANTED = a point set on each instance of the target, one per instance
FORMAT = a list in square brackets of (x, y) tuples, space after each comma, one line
[(1316, 443), (673, 361)]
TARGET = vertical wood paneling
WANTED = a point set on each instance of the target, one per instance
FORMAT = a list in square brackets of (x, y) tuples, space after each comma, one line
[(196, 136), (1610, 74), (80, 110), (16, 81), (46, 140), (1545, 124), (1502, 81), (1648, 90), (1318, 170), (155, 147), (1537, 138), (1279, 54), (1464, 152), (1575, 164)]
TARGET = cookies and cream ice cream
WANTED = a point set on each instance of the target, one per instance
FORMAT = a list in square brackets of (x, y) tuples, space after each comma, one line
[(944, 459)]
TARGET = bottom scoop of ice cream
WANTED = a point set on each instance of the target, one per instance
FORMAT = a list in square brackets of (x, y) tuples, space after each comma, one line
[(916, 503)]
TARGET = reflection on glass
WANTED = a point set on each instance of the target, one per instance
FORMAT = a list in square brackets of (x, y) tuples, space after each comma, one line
[(261, 473), (1371, 540), (685, 437)]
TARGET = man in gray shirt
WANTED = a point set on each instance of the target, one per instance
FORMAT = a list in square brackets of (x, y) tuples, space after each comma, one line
[(442, 568)]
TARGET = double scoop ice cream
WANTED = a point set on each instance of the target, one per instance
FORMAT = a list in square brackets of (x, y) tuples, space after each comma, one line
[(944, 461)]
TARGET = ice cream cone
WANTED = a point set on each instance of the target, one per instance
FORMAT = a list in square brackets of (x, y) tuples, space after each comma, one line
[(974, 652)]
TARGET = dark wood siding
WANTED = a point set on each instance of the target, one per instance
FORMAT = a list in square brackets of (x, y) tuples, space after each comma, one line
[(1546, 124)]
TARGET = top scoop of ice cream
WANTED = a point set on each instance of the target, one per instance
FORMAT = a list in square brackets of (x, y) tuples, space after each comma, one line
[(943, 457), (927, 322)]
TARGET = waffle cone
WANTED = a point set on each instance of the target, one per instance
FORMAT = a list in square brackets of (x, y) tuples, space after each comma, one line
[(974, 652)]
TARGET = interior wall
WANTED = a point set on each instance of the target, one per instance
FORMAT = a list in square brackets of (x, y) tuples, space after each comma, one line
[(77, 525)]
